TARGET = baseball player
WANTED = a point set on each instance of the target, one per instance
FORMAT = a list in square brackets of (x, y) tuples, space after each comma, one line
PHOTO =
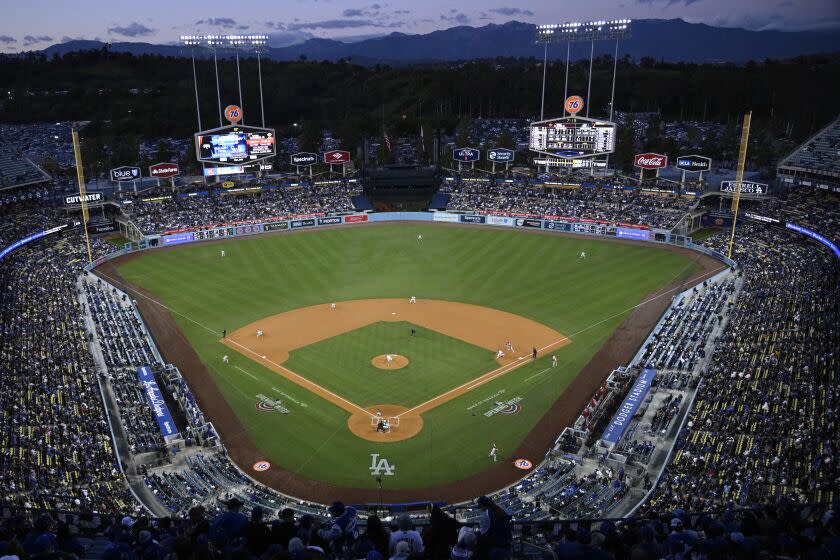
[(225, 358), (378, 414), (554, 361), (534, 353), (386, 426), (413, 332), (380, 425), (260, 333), (419, 238), (222, 253), (493, 452), (224, 333), (500, 354), (509, 346), (389, 358), (332, 307), (412, 299), (583, 255)]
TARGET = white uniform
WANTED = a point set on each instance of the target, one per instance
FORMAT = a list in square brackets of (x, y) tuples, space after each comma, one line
[(554, 361), (583, 254), (412, 299), (389, 358), (223, 253), (419, 238), (378, 414), (493, 452), (259, 333), (332, 307), (225, 358), (500, 354), (509, 346)]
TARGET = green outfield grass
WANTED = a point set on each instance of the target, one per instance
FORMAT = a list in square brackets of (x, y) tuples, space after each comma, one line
[(436, 363), (536, 276)]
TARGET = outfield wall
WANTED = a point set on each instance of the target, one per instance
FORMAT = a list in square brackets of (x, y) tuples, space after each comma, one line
[(558, 224)]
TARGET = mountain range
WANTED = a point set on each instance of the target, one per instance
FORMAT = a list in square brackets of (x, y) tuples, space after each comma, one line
[(672, 40)]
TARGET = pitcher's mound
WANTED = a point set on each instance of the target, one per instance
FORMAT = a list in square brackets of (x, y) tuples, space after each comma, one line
[(397, 361)]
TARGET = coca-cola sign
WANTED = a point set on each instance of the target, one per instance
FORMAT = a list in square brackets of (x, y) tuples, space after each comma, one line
[(650, 161)]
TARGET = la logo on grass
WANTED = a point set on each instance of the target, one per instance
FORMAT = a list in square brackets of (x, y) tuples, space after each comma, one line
[(380, 467)]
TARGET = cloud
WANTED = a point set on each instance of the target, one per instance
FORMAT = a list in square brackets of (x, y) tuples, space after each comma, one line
[(133, 29), (287, 38), (30, 40), (225, 22), (511, 12), (353, 12), (669, 2), (7, 40), (455, 16), (334, 24)]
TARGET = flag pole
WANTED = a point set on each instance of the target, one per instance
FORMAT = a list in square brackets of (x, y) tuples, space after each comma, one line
[(80, 175), (739, 176)]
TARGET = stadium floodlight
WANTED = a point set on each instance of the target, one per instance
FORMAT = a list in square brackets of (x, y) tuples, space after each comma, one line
[(253, 42), (602, 30)]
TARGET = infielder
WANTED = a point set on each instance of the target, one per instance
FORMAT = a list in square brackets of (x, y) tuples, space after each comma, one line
[(260, 333), (509, 346), (332, 307), (500, 354), (412, 299), (493, 451)]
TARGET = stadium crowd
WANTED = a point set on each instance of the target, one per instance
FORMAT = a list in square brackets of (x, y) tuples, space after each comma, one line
[(172, 213), (597, 202)]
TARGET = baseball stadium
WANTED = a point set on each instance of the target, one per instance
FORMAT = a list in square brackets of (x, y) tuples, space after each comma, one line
[(542, 335)]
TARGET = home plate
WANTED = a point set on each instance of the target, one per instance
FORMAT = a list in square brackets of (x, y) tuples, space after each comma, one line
[(520, 358), (393, 313)]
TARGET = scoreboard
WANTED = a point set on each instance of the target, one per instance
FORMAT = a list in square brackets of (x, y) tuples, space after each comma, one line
[(572, 137), (235, 144)]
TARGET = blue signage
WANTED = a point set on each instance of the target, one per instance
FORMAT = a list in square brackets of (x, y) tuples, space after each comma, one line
[(500, 155), (466, 154), (178, 238), (21, 242), (629, 407), (155, 398), (125, 173), (631, 233), (816, 236)]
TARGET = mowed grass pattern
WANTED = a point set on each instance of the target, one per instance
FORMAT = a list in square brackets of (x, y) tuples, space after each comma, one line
[(536, 276), (437, 363)]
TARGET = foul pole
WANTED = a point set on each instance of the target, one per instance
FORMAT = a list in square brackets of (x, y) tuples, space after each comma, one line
[(739, 176), (80, 175)]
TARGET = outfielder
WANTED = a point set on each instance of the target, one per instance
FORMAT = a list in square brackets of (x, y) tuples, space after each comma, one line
[(583, 255), (222, 253), (554, 361), (225, 358), (493, 452), (419, 238)]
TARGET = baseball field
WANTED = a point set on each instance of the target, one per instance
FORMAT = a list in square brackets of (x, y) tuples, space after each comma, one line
[(297, 386)]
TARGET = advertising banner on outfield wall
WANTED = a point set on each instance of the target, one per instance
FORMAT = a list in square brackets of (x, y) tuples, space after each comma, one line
[(499, 221), (528, 222), (355, 219), (470, 219), (628, 233), (156, 402), (629, 407), (178, 238), (331, 221), (445, 217), (276, 226), (307, 222)]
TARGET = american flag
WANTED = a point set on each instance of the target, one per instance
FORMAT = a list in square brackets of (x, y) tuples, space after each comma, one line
[(387, 139)]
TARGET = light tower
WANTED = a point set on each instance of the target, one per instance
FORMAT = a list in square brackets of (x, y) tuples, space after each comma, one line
[(254, 43)]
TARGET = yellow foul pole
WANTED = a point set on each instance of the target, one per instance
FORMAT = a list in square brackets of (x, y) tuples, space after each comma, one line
[(82, 191), (739, 176)]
